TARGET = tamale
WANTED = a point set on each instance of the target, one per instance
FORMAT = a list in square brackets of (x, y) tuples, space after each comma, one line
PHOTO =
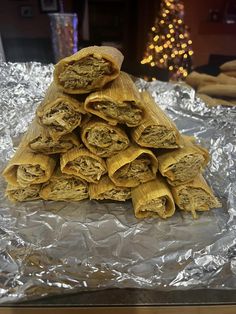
[(219, 90), (183, 164), (225, 79), (38, 139), (64, 187), (89, 69), (230, 73), (27, 168), (105, 189), (102, 139), (195, 196), (118, 102), (196, 79), (156, 130), (60, 113), (82, 163), (228, 66), (132, 166), (22, 194), (212, 102), (153, 199)]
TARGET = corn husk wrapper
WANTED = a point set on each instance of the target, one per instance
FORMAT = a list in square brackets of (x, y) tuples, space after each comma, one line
[(230, 73), (102, 139), (183, 164), (196, 79), (88, 70), (132, 166), (82, 163), (22, 194), (219, 90), (27, 168), (195, 196), (156, 130), (105, 189), (38, 139), (64, 187), (118, 102), (60, 113), (228, 66), (225, 79), (213, 102), (153, 199)]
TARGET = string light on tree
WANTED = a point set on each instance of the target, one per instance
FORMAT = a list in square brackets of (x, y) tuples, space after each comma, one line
[(169, 45)]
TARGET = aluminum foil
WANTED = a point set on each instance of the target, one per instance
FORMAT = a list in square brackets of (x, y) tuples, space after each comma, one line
[(56, 247)]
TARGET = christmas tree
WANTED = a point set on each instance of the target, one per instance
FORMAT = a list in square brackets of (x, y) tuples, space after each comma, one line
[(169, 44)]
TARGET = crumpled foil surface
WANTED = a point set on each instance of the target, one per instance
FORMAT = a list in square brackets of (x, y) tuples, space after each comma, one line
[(56, 247)]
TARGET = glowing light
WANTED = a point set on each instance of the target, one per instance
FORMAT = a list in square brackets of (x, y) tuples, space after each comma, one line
[(181, 69), (180, 21), (151, 46), (152, 64), (190, 52), (165, 56), (176, 52), (162, 22), (184, 45), (154, 79), (164, 15), (190, 42), (156, 38), (172, 55), (153, 28), (168, 35), (171, 67), (165, 46), (170, 26), (172, 31), (185, 74), (185, 56), (167, 11), (162, 60), (172, 39), (181, 36)]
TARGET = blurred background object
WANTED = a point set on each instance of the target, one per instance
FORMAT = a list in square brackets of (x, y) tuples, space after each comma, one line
[(26, 33), (169, 46), (2, 54), (64, 34)]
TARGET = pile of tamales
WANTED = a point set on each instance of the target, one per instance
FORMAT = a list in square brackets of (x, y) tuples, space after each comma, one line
[(96, 136), (216, 90)]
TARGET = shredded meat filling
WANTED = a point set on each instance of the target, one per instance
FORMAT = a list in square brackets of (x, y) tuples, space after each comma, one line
[(47, 145), (121, 194), (26, 174), (25, 194), (106, 140), (87, 166), (127, 112), (156, 206), (84, 72), (195, 198), (138, 169), (158, 136), (61, 117), (186, 169), (68, 189)]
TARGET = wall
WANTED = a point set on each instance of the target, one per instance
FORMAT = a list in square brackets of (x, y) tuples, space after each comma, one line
[(209, 38), (13, 25)]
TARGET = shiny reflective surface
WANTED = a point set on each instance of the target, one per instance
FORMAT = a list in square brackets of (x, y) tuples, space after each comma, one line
[(55, 247)]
